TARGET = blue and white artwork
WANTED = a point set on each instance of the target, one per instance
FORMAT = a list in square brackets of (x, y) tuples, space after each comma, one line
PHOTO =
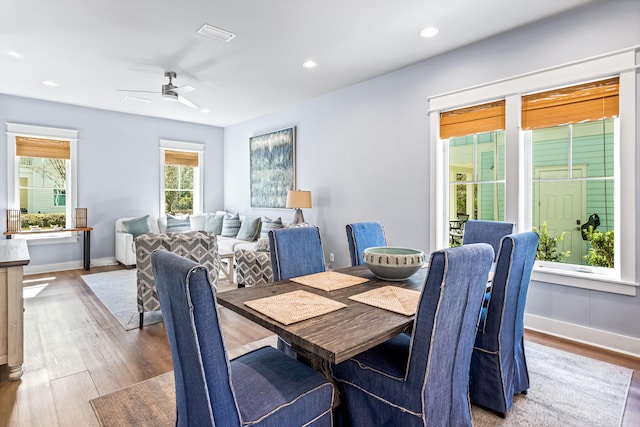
[(273, 168)]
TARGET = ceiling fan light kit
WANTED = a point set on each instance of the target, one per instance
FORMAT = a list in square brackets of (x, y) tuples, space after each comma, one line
[(170, 92)]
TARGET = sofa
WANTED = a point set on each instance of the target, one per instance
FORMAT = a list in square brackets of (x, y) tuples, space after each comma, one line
[(252, 257), (125, 243)]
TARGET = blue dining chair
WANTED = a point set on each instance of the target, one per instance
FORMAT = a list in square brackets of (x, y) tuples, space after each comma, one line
[(423, 378), (480, 231), (296, 251), (498, 365), (363, 235), (261, 388)]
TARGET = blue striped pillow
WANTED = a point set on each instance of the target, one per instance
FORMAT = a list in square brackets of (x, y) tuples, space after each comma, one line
[(230, 225), (270, 224), (178, 225)]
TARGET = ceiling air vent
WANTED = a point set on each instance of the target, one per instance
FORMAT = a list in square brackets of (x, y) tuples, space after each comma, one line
[(216, 33)]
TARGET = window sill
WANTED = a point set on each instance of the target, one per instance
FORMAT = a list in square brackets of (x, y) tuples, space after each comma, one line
[(585, 280)]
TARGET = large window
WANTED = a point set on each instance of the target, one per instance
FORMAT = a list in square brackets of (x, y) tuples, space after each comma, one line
[(563, 165), (181, 178), (41, 176), (573, 133), (476, 164)]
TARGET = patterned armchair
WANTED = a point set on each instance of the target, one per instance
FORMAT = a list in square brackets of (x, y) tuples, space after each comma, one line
[(253, 268), (198, 246)]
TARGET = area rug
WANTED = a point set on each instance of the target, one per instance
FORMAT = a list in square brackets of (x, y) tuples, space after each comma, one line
[(566, 389), (118, 292)]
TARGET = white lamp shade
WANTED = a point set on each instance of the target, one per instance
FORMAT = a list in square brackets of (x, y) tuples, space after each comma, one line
[(298, 199)]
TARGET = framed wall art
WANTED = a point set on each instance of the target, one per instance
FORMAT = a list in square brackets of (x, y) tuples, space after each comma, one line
[(272, 167)]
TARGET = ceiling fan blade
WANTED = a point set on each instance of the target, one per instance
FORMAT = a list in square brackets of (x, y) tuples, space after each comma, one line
[(139, 91), (188, 102), (182, 89)]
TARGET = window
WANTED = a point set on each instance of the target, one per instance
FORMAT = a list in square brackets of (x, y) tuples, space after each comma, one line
[(476, 164), (181, 178), (41, 176), (572, 133), (561, 164)]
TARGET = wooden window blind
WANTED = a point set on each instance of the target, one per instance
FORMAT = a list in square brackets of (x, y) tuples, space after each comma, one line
[(40, 147), (585, 102), (181, 158), (471, 120)]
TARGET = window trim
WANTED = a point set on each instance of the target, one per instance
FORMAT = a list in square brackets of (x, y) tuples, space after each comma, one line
[(13, 172), (622, 279), (198, 176)]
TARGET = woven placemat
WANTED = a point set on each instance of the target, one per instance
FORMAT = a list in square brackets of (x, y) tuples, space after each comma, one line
[(292, 307), (392, 298), (329, 280)]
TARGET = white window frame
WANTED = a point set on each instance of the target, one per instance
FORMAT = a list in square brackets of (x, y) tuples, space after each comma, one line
[(198, 190), (13, 176), (621, 279)]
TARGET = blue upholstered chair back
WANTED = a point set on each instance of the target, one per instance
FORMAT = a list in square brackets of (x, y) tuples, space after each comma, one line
[(445, 327), (499, 366), (423, 379), (363, 235), (296, 252), (491, 232), (201, 368)]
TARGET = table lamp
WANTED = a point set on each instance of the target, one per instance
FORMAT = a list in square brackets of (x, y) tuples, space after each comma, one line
[(298, 199)]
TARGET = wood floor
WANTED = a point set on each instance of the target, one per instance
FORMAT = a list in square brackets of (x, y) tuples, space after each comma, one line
[(75, 350)]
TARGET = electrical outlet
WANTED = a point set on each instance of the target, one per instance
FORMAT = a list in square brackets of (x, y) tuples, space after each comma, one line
[(331, 258)]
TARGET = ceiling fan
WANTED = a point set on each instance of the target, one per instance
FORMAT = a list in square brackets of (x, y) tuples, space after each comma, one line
[(170, 91)]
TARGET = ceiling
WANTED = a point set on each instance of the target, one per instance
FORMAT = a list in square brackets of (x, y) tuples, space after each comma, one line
[(93, 48)]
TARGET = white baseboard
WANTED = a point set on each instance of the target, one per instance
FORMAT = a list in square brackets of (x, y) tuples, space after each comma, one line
[(583, 334), (71, 265)]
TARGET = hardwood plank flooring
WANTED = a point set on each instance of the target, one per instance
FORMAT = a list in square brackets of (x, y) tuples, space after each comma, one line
[(75, 350)]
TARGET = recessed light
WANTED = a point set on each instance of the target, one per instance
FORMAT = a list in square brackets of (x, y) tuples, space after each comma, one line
[(429, 32), (309, 63), (205, 110), (49, 83), (14, 54), (137, 99)]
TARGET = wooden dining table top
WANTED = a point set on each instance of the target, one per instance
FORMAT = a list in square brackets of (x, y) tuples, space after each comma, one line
[(335, 336)]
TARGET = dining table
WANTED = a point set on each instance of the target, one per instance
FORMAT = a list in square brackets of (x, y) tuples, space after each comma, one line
[(340, 334)]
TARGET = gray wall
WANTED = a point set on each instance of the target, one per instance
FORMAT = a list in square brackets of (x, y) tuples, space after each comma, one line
[(118, 167), (363, 150)]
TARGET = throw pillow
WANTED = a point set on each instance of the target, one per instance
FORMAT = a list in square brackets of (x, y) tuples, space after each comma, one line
[(250, 228), (178, 225), (230, 225), (137, 226), (270, 224), (262, 245), (196, 222), (213, 223)]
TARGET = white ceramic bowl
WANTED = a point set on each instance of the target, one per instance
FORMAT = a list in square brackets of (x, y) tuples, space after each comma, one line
[(392, 263)]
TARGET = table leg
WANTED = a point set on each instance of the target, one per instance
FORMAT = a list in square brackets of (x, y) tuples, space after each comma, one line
[(319, 365), (87, 250), (230, 270)]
